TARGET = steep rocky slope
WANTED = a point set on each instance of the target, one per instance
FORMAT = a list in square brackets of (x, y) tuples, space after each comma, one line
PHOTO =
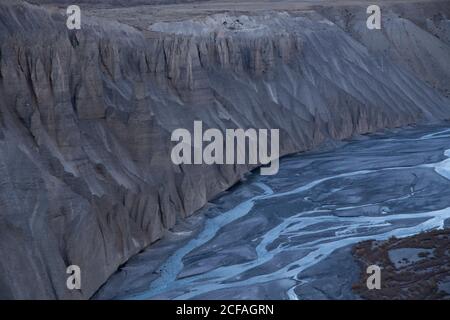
[(86, 118), (404, 38)]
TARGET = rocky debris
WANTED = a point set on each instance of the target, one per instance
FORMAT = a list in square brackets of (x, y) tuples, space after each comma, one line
[(86, 118), (411, 268)]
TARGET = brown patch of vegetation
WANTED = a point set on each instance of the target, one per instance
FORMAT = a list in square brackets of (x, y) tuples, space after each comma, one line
[(418, 280)]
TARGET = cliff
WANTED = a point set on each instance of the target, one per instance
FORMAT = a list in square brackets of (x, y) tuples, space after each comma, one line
[(86, 118)]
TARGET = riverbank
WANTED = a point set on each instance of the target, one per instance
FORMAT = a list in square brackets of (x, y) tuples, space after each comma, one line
[(291, 236)]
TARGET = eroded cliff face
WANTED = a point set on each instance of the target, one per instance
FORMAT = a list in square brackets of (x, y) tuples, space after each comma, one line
[(86, 118)]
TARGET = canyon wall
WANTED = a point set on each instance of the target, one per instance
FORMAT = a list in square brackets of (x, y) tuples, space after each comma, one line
[(86, 118)]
